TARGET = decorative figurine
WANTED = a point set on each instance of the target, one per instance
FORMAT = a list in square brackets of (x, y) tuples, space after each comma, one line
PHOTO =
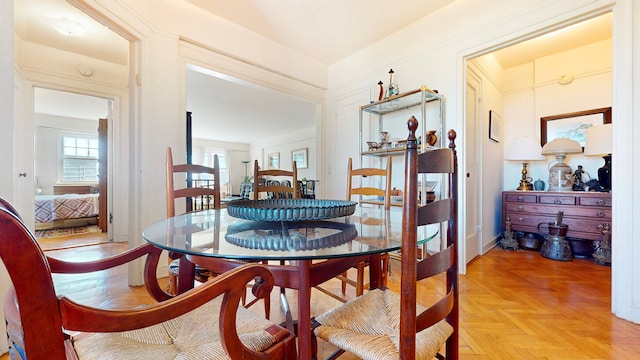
[(594, 185), (381, 94), (508, 241), (602, 254), (392, 90), (578, 179)]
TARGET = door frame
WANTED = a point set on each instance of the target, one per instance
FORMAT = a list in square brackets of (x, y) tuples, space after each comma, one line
[(113, 100)]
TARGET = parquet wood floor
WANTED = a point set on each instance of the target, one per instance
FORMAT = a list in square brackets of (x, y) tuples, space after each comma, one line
[(513, 305)]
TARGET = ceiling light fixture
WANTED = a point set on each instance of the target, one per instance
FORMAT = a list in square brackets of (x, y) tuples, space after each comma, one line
[(67, 27)]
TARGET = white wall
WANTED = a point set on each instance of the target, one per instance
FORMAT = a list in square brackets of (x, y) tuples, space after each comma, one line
[(533, 91), (284, 145)]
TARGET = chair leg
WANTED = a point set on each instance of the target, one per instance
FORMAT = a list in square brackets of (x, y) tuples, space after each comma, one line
[(344, 283), (360, 278), (385, 268)]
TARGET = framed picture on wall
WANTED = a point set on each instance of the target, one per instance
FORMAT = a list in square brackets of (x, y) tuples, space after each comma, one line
[(300, 156), (495, 125), (274, 160), (572, 125)]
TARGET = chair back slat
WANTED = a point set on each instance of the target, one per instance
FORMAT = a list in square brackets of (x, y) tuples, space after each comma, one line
[(435, 212), (436, 263)]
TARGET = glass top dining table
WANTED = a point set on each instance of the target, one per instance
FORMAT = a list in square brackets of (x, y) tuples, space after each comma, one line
[(342, 242), (215, 233)]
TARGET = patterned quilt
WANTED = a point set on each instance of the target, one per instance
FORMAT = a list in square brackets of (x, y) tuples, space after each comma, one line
[(50, 208)]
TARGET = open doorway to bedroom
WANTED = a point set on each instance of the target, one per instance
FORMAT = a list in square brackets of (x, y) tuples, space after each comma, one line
[(70, 168)]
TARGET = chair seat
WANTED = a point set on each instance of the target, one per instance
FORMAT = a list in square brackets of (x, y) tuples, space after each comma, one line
[(374, 318), (194, 335)]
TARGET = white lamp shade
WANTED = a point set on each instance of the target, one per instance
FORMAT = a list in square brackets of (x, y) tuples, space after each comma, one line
[(599, 140), (561, 146), (525, 149)]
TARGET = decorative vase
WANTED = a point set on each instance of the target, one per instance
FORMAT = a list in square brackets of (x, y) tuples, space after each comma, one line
[(538, 185), (384, 136), (432, 138)]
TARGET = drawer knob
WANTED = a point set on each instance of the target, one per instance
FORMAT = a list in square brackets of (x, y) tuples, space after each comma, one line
[(601, 202), (520, 219), (520, 198), (520, 207), (557, 202), (600, 213), (600, 227)]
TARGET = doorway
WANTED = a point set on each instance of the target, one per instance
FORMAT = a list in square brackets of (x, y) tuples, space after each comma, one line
[(71, 201), (527, 81), (245, 121)]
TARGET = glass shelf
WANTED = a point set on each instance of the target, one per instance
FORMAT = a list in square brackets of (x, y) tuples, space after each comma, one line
[(401, 101)]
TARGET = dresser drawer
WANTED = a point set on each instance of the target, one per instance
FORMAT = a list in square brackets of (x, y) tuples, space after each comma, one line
[(557, 200), (578, 228), (540, 209), (521, 198), (595, 201)]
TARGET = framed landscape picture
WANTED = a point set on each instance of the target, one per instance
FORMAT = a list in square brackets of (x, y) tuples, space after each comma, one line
[(274, 160), (572, 125), (300, 156)]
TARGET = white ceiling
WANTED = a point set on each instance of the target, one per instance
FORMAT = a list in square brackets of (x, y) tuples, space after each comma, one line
[(327, 31)]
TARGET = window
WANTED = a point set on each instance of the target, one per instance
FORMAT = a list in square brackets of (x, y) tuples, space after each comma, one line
[(79, 157), (222, 161)]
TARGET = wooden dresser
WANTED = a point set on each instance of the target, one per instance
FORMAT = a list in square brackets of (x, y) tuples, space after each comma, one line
[(586, 213)]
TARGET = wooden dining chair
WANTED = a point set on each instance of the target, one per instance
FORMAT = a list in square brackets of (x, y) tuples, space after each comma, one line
[(382, 324), (275, 186), (374, 182), (196, 198), (206, 322)]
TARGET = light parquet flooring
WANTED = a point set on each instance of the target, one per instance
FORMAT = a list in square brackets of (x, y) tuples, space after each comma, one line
[(513, 305)]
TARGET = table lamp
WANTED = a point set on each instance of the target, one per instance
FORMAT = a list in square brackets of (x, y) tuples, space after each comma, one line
[(525, 149), (560, 175), (599, 142)]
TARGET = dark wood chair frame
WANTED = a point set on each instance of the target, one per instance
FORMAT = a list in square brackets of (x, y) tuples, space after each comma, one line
[(439, 161), (39, 322)]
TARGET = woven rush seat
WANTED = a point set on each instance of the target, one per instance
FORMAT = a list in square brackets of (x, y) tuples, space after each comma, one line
[(362, 320), (194, 335)]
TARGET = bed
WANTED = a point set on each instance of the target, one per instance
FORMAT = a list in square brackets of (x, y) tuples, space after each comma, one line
[(66, 210)]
